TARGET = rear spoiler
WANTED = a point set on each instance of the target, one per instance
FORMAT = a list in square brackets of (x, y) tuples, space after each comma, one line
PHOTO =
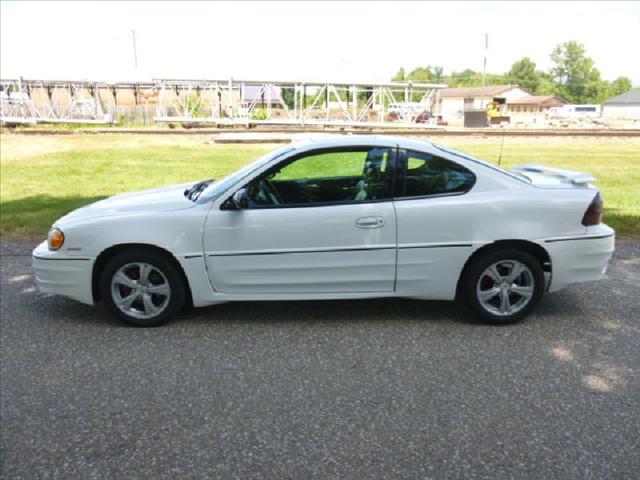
[(566, 176)]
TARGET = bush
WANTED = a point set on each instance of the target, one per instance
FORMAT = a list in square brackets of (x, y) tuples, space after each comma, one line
[(259, 114), (194, 105)]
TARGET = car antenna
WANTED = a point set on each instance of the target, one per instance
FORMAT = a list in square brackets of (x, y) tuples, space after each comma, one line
[(501, 147)]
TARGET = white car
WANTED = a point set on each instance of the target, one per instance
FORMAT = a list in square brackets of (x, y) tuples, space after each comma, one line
[(347, 217)]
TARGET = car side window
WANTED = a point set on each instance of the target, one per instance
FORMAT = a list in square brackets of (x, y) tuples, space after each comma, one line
[(325, 177), (427, 174)]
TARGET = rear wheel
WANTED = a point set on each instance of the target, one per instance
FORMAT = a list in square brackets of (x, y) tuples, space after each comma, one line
[(142, 288), (503, 286)]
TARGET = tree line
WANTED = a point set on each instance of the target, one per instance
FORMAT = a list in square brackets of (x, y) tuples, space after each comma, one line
[(572, 76)]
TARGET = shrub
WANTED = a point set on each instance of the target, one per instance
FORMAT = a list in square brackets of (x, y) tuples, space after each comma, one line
[(259, 114)]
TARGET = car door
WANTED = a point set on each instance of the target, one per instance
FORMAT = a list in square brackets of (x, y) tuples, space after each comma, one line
[(320, 222), (434, 217)]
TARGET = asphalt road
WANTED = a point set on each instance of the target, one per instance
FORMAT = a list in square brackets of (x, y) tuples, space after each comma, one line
[(351, 389)]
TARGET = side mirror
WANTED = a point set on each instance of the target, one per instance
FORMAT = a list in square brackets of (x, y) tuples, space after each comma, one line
[(241, 199)]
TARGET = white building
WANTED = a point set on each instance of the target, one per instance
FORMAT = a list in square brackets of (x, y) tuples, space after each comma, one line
[(625, 106), (454, 101), (533, 108)]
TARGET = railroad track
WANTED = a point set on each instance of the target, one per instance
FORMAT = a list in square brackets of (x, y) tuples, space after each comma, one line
[(479, 132)]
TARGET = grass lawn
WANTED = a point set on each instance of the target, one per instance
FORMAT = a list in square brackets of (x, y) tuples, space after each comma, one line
[(44, 177)]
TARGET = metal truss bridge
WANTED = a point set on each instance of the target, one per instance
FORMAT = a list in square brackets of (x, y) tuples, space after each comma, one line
[(222, 102)]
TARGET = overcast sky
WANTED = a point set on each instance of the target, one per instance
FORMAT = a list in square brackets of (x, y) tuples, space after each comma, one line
[(335, 41)]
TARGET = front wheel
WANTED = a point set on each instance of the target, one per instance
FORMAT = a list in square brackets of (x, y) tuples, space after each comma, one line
[(503, 286), (142, 288)]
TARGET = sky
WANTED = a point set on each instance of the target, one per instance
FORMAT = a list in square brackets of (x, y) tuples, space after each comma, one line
[(319, 41)]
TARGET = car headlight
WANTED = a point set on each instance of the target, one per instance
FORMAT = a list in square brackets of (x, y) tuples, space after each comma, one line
[(55, 239)]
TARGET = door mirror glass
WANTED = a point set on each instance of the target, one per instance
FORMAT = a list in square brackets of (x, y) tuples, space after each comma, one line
[(241, 199)]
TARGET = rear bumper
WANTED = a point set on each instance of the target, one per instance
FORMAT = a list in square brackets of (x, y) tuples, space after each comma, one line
[(63, 275), (580, 259)]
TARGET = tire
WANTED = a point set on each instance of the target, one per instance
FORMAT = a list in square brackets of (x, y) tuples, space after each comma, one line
[(489, 279), (142, 288)]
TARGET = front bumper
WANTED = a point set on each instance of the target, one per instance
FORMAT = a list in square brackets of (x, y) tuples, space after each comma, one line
[(61, 274), (583, 259)]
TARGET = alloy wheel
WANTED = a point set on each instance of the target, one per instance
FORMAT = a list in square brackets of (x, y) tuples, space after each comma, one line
[(505, 287), (140, 290)]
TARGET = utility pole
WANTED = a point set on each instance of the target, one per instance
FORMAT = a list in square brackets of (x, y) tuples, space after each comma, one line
[(484, 65), (135, 51)]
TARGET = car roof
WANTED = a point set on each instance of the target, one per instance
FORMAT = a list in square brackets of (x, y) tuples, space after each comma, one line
[(403, 142), (361, 140)]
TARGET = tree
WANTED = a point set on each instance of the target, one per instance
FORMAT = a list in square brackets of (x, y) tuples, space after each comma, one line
[(400, 76), (438, 74), (288, 96), (465, 78), (523, 73), (421, 74), (471, 78), (577, 80), (426, 74), (619, 85), (573, 77), (546, 85), (435, 74), (597, 89)]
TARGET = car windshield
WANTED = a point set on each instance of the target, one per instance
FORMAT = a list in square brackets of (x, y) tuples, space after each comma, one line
[(466, 156), (218, 187)]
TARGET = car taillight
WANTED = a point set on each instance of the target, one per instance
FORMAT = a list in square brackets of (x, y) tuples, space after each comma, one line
[(593, 215)]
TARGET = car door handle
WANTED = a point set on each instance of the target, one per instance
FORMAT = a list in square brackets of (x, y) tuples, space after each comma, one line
[(370, 222)]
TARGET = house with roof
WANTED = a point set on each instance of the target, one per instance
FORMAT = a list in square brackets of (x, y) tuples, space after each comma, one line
[(455, 101), (531, 107), (625, 106)]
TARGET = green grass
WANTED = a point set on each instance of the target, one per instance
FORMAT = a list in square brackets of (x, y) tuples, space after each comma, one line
[(44, 177), (614, 164), (330, 164)]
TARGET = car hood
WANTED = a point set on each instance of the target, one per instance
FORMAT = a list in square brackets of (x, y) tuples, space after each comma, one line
[(156, 200)]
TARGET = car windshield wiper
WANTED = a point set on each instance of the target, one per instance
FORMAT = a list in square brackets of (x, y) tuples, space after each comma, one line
[(194, 192)]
